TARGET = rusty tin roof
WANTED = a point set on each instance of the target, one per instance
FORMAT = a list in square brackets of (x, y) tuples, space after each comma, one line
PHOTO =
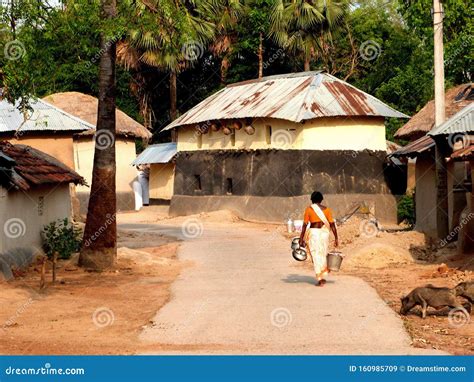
[(415, 148), (30, 167), (295, 97)]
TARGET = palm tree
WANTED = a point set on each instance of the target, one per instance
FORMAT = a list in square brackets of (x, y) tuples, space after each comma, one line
[(99, 245), (227, 14), (298, 25), (169, 36)]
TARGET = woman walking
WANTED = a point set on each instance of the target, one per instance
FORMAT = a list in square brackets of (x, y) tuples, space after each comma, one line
[(316, 238)]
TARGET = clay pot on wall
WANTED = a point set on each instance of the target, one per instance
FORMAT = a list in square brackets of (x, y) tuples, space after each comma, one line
[(237, 125), (215, 126), (227, 130), (249, 129)]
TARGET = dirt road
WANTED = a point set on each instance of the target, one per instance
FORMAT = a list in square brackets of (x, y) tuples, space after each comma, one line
[(245, 294)]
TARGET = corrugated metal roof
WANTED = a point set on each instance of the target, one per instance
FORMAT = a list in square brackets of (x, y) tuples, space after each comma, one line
[(159, 153), (465, 153), (294, 97), (461, 122), (32, 167), (415, 148), (45, 117)]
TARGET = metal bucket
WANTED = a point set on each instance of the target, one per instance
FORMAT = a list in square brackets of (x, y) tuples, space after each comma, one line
[(334, 259)]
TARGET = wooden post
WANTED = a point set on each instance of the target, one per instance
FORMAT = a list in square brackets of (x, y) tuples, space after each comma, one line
[(55, 260), (43, 272), (442, 193)]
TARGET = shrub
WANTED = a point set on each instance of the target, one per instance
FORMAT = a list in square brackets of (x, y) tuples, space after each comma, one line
[(62, 237), (406, 209)]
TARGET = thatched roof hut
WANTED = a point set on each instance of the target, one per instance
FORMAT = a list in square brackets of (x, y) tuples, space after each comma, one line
[(84, 106), (421, 123)]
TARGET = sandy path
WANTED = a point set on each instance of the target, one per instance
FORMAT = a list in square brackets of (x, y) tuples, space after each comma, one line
[(244, 294)]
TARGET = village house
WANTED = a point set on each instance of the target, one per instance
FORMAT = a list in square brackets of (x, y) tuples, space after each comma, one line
[(422, 170), (44, 127), (160, 159), (34, 191), (85, 106), (260, 147)]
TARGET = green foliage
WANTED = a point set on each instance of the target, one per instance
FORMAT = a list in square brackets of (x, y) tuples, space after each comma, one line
[(61, 48), (406, 209), (62, 237)]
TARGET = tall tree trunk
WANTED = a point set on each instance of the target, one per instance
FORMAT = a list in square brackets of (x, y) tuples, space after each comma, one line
[(224, 68), (306, 64), (99, 245), (173, 101), (260, 55)]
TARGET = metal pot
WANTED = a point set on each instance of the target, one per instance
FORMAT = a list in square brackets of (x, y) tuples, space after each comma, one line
[(300, 254), (295, 243)]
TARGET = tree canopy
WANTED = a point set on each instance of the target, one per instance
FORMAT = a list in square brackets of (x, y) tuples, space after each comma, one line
[(383, 47)]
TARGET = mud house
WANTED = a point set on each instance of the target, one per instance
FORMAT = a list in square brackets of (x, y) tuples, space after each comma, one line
[(421, 149), (34, 191), (44, 127), (160, 159), (260, 147), (84, 106)]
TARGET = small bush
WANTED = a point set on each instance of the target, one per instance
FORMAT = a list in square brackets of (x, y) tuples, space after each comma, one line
[(406, 209), (62, 237)]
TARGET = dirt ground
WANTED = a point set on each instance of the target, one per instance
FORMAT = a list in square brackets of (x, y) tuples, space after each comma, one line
[(395, 263), (87, 312), (92, 313)]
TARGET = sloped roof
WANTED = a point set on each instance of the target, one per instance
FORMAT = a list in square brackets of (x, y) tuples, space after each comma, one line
[(44, 117), (422, 122), (84, 106), (461, 122), (415, 148), (159, 153), (28, 167), (293, 97)]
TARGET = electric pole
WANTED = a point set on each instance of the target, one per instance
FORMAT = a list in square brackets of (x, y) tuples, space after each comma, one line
[(442, 148)]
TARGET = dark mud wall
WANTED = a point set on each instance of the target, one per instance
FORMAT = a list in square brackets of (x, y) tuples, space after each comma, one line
[(280, 172)]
